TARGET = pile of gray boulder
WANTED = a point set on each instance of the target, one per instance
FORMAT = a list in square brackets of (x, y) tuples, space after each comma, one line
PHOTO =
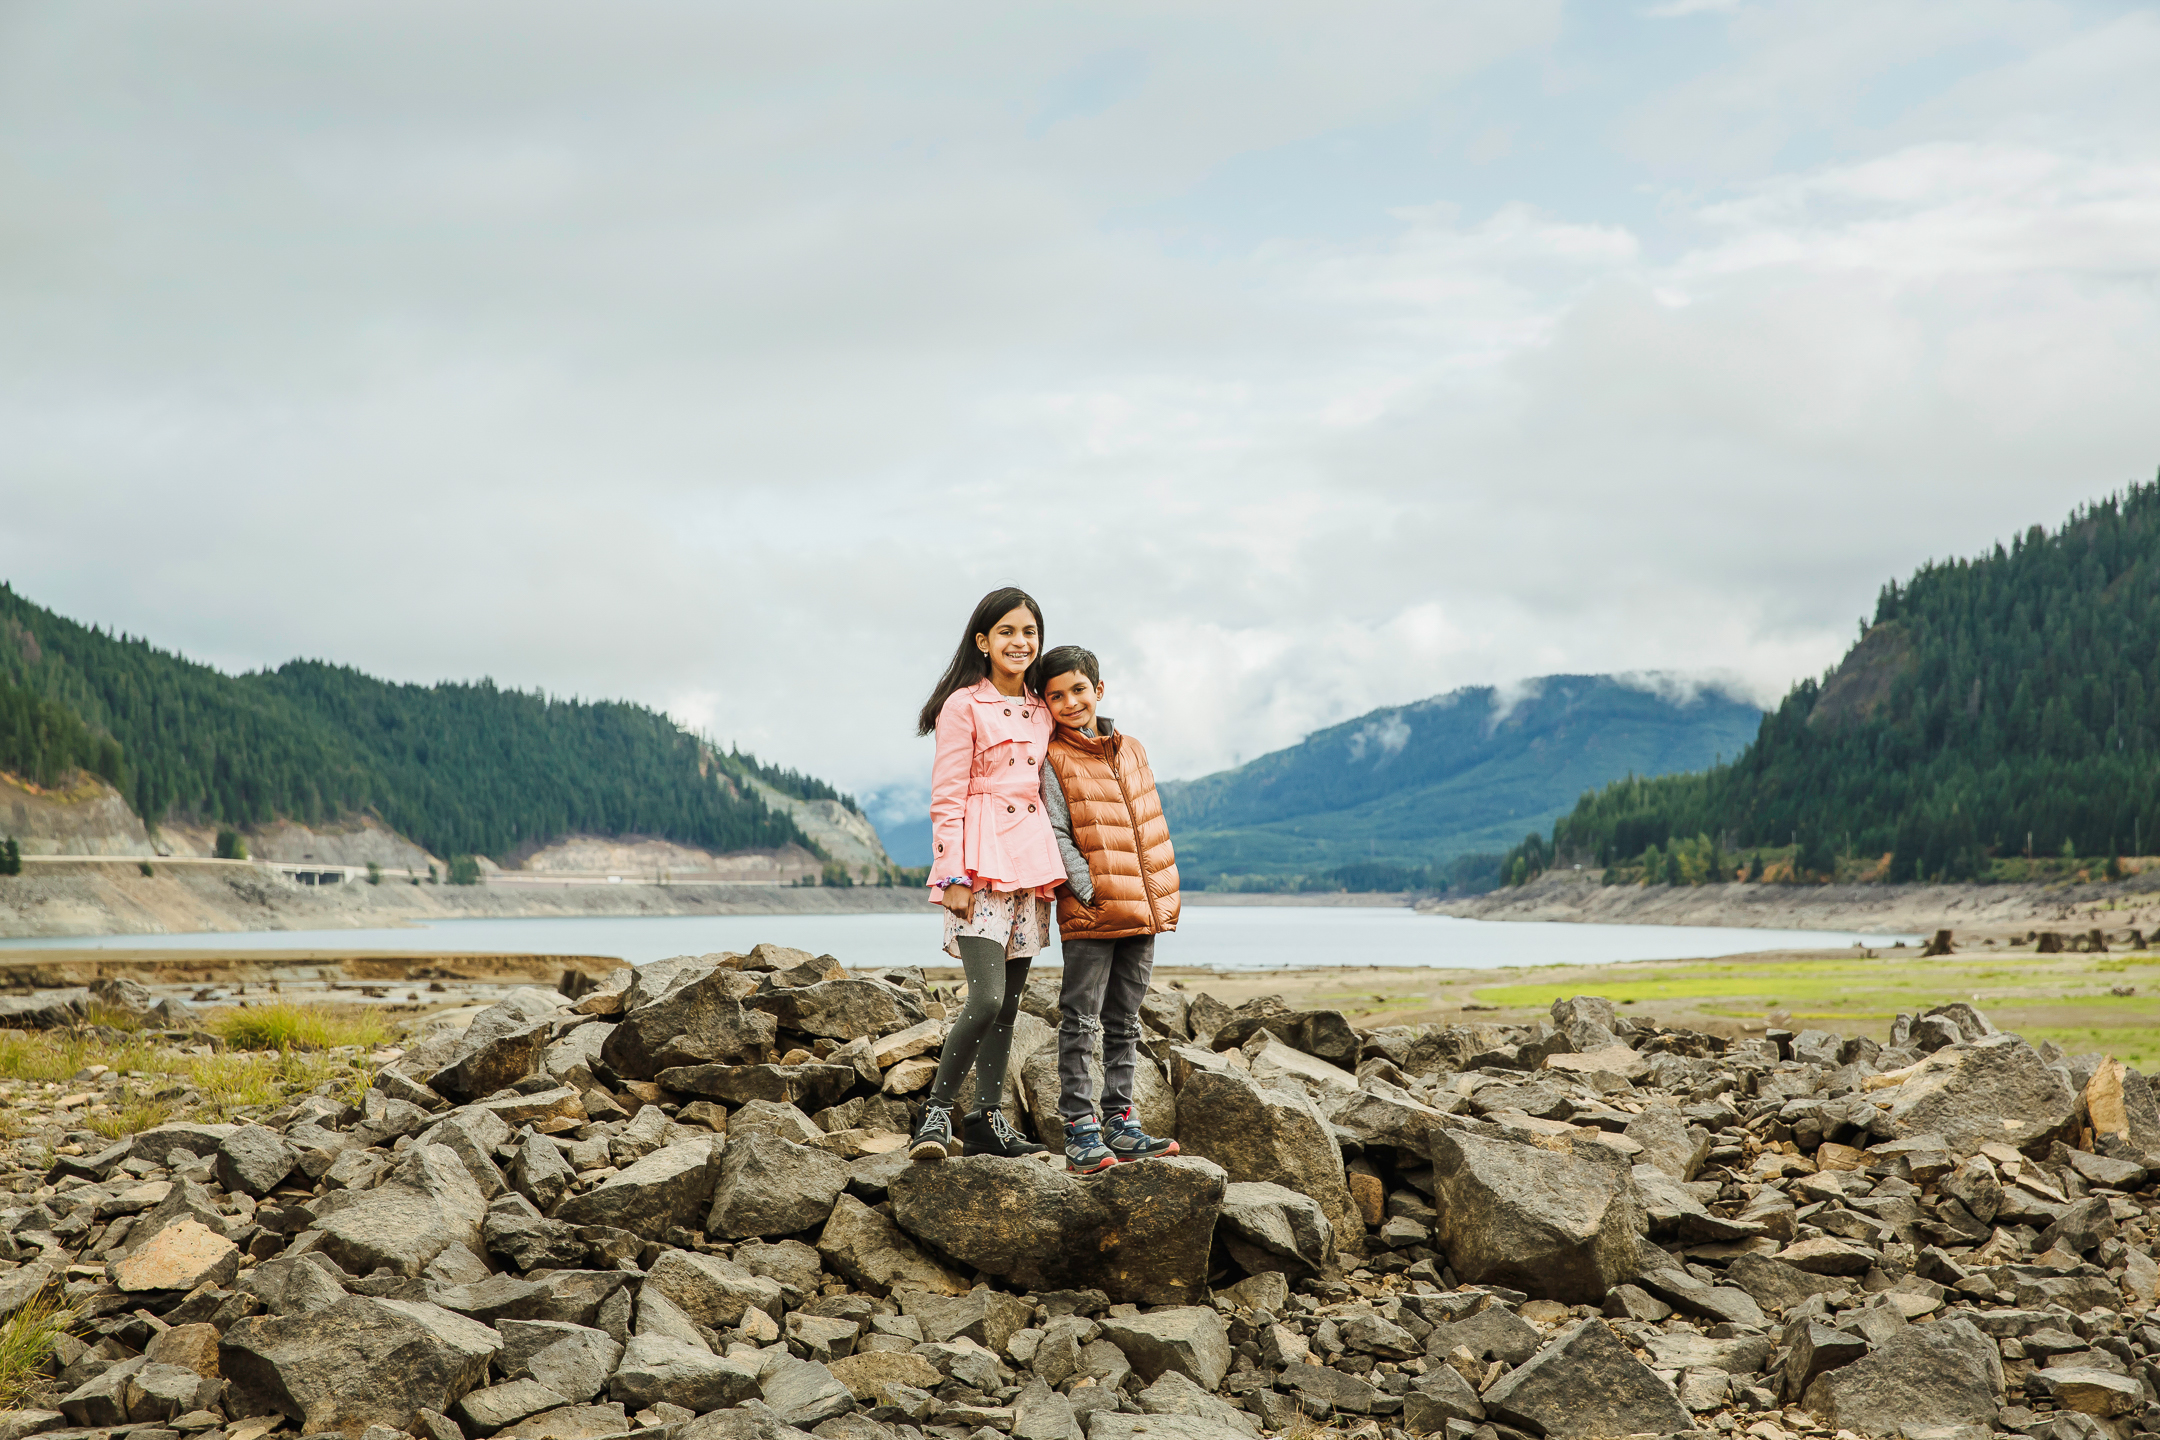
[(679, 1208)]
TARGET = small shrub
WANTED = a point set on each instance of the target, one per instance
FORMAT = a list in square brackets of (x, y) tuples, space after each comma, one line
[(464, 870), (10, 857), (144, 866), (374, 873), (287, 1026), (230, 846)]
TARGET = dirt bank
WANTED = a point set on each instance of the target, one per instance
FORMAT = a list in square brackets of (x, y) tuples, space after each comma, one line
[(118, 899), (1981, 910)]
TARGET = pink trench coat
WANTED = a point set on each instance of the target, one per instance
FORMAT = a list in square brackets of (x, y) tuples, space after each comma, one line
[(986, 816)]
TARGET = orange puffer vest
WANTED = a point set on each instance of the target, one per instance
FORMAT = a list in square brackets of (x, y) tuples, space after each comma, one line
[(1117, 822)]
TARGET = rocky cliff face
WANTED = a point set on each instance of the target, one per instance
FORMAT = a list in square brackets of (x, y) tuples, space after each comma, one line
[(841, 833), (86, 818)]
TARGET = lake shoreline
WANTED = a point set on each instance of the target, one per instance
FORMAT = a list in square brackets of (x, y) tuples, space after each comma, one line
[(1979, 911)]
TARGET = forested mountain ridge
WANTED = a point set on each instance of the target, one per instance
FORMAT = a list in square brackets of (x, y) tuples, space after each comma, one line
[(462, 768), (1378, 801), (2000, 706)]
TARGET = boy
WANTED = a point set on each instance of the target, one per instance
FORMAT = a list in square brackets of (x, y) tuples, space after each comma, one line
[(1121, 891)]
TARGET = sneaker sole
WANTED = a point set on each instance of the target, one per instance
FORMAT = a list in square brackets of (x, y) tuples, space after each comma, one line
[(1072, 1169), (1171, 1149)]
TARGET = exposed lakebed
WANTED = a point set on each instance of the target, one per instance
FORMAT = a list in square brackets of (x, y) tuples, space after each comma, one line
[(1222, 937)]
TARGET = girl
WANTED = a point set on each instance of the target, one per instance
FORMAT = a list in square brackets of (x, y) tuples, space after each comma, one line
[(993, 861)]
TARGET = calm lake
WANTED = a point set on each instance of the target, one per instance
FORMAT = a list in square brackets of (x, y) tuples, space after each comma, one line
[(1227, 937)]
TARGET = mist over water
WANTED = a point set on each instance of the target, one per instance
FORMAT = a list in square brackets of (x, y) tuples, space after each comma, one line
[(1226, 937)]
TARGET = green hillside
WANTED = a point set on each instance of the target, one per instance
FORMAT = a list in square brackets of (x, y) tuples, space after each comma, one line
[(461, 768), (1995, 707), (1370, 801)]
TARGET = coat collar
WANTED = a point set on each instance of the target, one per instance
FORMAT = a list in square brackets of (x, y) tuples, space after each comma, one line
[(986, 693)]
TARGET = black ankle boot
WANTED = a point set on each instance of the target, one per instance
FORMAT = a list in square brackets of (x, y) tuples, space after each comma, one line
[(986, 1133)]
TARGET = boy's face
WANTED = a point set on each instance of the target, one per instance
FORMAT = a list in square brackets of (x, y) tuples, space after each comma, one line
[(1072, 699)]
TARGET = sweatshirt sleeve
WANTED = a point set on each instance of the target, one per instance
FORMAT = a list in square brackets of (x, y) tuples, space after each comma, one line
[(1076, 866)]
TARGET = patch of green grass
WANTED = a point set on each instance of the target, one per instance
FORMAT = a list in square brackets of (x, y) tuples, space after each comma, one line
[(286, 1026), (112, 1019), (135, 1114), (2134, 1045), (46, 1055), (26, 1340)]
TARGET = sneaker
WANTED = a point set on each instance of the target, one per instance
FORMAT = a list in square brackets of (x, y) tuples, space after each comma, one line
[(1127, 1141), (986, 1133), (1084, 1151), (934, 1138)]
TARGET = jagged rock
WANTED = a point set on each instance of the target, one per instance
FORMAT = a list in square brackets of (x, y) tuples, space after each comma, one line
[(1440, 1395), (865, 1371), (1266, 1134), (769, 1186), (669, 1187), (864, 1247), (845, 1009), (504, 1044), (710, 1290), (1173, 1394), (656, 1370), (1270, 1227), (1946, 1373), (1993, 1090), (254, 1158), (295, 1284), (1138, 1232), (810, 1087), (44, 1009), (1777, 1286), (1495, 1333), (1381, 1114), (424, 1206), (803, 1392), (160, 1392), (700, 1022), (1584, 1385), (1669, 1143), (1324, 1034), (1560, 1226), (160, 1143), (178, 1257), (2089, 1390), (572, 1360), (495, 1406), (1190, 1339), (540, 1173), (357, 1363), (990, 1318), (474, 1133)]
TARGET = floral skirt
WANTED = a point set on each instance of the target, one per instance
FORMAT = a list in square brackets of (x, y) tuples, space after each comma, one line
[(1019, 920)]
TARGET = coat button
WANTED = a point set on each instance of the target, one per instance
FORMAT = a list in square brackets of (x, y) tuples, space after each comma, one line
[(1023, 714), (1008, 709), (1031, 809), (1010, 761), (1009, 809), (1031, 759)]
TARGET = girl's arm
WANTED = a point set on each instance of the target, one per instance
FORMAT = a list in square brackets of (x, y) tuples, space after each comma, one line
[(949, 774), (1076, 866)]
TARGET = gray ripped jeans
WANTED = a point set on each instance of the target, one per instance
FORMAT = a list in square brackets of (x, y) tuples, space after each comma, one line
[(1105, 981)]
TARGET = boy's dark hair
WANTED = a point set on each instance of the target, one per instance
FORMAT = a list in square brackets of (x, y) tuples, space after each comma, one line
[(1068, 658)]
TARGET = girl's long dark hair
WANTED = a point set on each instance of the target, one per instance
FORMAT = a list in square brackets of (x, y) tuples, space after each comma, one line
[(970, 664)]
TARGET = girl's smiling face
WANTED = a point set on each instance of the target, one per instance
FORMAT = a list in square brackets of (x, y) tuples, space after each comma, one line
[(1011, 646)]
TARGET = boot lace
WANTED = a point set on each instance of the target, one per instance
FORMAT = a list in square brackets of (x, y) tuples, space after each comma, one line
[(1004, 1132), (935, 1117)]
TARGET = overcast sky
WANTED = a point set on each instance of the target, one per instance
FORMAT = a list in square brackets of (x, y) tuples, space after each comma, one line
[(1300, 358)]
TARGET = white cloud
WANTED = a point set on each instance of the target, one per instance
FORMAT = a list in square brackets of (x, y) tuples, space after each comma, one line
[(722, 356)]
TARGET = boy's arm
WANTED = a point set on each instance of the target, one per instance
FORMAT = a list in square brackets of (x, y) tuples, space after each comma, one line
[(1076, 866)]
